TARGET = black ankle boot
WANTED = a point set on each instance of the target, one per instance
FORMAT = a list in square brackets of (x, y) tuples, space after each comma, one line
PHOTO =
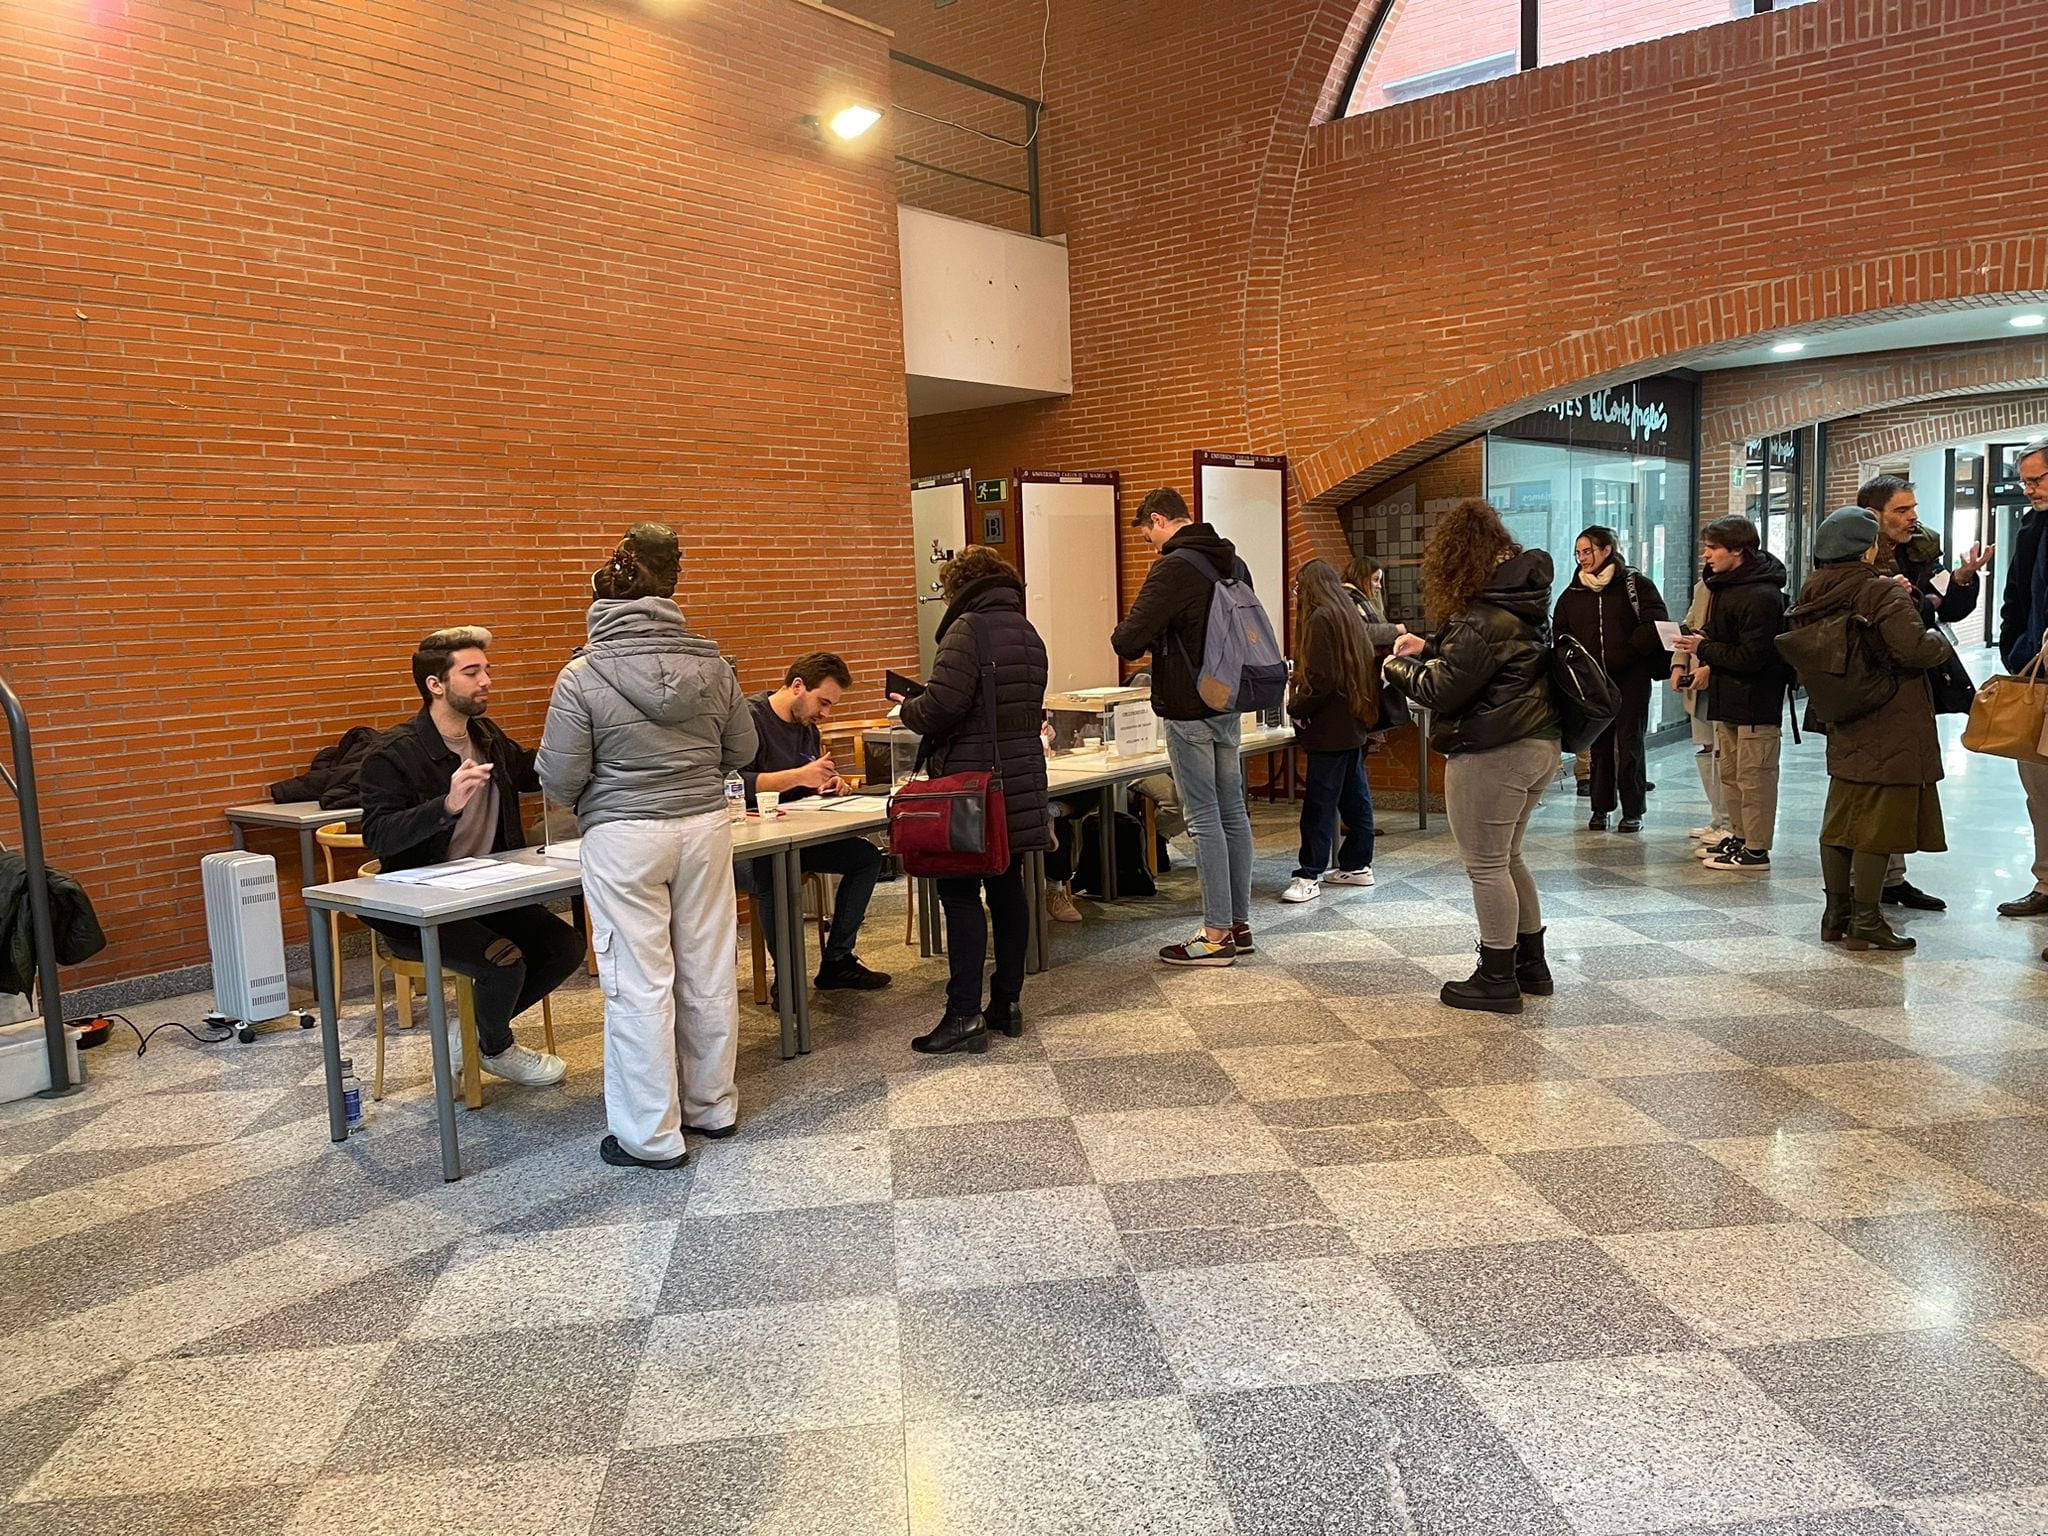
[(1532, 971), (1007, 1017), (1491, 988), (1834, 917), (1869, 930), (956, 1032)]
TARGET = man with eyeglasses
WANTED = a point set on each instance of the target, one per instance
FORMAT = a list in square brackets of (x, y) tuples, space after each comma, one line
[(2022, 617)]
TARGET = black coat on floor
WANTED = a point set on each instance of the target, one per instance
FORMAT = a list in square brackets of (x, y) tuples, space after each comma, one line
[(74, 926), (950, 712)]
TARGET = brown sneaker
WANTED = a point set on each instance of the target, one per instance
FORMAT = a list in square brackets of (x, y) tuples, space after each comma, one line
[(1241, 936), (1060, 906)]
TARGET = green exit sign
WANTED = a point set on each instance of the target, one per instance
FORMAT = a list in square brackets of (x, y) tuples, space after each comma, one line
[(991, 490)]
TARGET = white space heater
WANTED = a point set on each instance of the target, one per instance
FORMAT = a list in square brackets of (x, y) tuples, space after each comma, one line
[(245, 930)]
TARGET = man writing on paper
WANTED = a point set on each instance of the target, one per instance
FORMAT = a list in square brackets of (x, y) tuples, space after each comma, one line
[(445, 785), (1913, 553), (791, 763)]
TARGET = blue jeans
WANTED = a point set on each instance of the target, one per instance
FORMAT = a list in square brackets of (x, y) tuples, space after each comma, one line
[(857, 862), (1336, 787), (1209, 772)]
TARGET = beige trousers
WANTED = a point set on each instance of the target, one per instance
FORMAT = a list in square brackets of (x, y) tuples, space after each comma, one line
[(1749, 780)]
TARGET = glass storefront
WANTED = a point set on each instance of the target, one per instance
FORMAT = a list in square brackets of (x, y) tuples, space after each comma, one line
[(1621, 458)]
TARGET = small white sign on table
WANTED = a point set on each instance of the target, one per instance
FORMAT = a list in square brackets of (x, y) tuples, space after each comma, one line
[(1136, 728)]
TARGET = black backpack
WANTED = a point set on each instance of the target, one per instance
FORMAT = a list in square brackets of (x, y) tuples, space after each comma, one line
[(1587, 700), (1841, 666)]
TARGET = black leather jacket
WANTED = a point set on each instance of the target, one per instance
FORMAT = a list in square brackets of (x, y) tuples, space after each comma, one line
[(1485, 677)]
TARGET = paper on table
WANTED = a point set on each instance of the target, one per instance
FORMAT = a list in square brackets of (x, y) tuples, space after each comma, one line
[(1940, 583), (1667, 634), (489, 874), (568, 851), (427, 874), (855, 804), (461, 875)]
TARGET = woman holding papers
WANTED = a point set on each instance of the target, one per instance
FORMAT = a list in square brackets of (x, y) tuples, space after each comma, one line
[(1614, 610), (644, 725)]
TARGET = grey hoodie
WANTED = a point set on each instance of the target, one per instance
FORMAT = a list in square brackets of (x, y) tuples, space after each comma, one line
[(646, 720)]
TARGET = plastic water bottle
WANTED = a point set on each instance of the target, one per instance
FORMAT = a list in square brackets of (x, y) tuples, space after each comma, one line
[(735, 797), (351, 1096)]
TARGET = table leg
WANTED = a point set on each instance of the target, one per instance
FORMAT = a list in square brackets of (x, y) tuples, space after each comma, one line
[(330, 1030), (1421, 770), (785, 1000), (437, 1038), (1105, 840), (799, 984), (237, 839), (1038, 930), (309, 874)]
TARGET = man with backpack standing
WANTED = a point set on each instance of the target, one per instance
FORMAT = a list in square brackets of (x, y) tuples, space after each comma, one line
[(1737, 664), (1170, 619)]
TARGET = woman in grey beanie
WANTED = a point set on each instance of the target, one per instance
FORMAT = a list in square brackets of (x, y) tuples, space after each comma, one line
[(1883, 766)]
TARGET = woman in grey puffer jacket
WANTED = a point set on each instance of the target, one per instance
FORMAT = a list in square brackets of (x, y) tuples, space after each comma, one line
[(644, 725)]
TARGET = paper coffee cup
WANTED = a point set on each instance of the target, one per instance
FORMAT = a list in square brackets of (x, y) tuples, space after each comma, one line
[(768, 799)]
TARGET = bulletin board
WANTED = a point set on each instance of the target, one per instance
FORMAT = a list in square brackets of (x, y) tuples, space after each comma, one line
[(1243, 496), (1070, 544)]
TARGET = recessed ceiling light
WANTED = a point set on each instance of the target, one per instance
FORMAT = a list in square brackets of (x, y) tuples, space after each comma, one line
[(1787, 348), (852, 122), (2027, 322)]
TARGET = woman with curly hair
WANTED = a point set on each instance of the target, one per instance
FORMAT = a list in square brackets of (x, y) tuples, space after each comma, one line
[(1485, 677)]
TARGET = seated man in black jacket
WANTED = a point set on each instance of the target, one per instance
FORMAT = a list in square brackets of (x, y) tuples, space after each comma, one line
[(445, 785)]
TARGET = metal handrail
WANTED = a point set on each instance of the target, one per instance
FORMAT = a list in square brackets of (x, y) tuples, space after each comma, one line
[(23, 782), (1032, 109)]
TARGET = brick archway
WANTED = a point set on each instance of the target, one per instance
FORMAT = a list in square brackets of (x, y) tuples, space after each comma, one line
[(1682, 333), (1857, 448), (1787, 397)]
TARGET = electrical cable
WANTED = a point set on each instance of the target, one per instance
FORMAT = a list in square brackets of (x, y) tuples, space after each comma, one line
[(227, 1031), (1044, 56)]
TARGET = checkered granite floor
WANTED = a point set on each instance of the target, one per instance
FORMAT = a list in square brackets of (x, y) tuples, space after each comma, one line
[(1737, 1233)]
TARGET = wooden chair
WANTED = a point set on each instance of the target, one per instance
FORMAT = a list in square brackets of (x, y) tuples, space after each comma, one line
[(403, 974), (332, 837)]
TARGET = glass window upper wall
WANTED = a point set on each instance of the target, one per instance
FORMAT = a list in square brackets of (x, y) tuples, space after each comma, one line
[(1421, 47)]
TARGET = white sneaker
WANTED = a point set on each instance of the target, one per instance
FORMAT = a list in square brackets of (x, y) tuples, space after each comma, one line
[(1709, 834), (530, 1069), (1301, 888), (1361, 876)]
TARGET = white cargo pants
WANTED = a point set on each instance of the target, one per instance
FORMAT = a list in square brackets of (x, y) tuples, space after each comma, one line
[(662, 914)]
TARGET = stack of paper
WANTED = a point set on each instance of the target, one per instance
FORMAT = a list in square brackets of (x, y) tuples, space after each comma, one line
[(460, 875)]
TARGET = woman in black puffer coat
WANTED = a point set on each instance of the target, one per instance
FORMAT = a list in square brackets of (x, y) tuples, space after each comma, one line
[(985, 625), (1613, 610), (1485, 677)]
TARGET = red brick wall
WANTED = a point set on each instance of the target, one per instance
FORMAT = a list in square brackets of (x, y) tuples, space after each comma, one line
[(322, 326)]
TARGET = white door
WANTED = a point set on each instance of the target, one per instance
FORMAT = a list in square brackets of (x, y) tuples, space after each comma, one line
[(938, 531)]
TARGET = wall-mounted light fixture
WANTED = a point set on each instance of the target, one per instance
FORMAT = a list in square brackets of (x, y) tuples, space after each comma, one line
[(849, 122)]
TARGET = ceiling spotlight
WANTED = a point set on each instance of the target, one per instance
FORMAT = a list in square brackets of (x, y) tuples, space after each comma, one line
[(2027, 322), (1787, 348), (852, 122)]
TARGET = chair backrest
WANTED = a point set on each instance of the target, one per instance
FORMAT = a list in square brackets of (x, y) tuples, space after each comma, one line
[(332, 836)]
